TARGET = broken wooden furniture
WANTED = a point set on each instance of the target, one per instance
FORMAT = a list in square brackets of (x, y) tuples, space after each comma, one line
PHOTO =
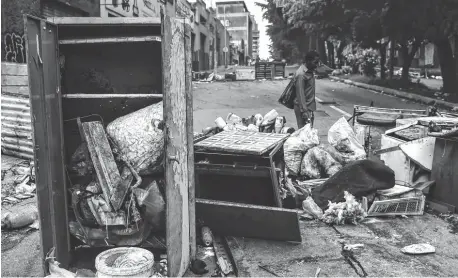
[(251, 221), (99, 69), (445, 173), (241, 167)]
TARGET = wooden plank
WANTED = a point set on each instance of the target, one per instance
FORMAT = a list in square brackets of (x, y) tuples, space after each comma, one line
[(102, 157), (232, 219), (102, 96), (105, 21), (176, 145), (55, 137), (14, 80), (112, 40), (190, 128), (14, 69), (274, 176), (39, 125)]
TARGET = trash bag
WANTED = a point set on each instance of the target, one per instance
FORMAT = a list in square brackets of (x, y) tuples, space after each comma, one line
[(297, 145), (137, 140), (309, 135), (359, 178), (342, 158), (342, 137), (154, 207), (310, 207), (318, 163), (293, 150), (81, 163)]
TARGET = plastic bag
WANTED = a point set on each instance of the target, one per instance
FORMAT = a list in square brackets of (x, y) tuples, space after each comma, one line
[(342, 158), (309, 135), (294, 149), (317, 162), (137, 140), (297, 145), (342, 137), (310, 207)]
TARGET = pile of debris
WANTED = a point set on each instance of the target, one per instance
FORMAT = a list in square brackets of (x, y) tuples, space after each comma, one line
[(210, 77), (117, 180), (271, 122), (18, 182)]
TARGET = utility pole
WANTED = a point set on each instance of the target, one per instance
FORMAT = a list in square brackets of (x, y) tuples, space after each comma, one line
[(225, 37)]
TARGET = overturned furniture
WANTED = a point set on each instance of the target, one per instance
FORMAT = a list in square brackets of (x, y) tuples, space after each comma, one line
[(97, 70), (240, 167)]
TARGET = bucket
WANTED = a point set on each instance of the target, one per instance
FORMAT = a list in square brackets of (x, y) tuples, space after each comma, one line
[(125, 262)]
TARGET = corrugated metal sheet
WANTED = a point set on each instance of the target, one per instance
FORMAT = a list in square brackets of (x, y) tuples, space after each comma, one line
[(16, 121)]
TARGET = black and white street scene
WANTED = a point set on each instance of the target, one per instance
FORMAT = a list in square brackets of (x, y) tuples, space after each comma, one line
[(229, 138)]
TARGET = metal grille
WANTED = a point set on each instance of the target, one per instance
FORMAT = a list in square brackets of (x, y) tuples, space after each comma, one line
[(405, 206), (242, 142)]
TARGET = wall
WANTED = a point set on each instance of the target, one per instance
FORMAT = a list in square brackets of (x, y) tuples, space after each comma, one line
[(13, 39), (143, 8), (16, 122), (89, 7)]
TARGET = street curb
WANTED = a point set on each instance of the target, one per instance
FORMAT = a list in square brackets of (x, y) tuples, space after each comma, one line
[(397, 93)]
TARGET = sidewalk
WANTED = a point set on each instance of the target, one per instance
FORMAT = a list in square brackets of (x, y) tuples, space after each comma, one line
[(397, 93)]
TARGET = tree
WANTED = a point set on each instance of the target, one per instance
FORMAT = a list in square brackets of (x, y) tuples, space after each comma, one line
[(442, 21), (284, 44), (405, 22), (325, 19)]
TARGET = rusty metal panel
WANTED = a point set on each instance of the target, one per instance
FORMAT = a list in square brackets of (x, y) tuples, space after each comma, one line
[(16, 135)]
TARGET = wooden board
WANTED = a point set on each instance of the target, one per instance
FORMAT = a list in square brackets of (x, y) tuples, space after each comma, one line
[(190, 128), (178, 142), (245, 142), (444, 172), (54, 133), (232, 219), (102, 157), (39, 122)]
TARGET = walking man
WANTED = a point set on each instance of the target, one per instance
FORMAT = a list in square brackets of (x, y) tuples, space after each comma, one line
[(305, 104)]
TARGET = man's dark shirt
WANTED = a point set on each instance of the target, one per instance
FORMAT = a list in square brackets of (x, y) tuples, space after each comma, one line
[(305, 89)]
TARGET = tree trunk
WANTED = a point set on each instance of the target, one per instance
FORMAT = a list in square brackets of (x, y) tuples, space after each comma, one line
[(392, 56), (383, 61), (321, 47), (407, 59), (331, 60), (448, 67), (340, 57)]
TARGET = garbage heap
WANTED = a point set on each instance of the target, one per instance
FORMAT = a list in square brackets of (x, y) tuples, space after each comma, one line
[(117, 185)]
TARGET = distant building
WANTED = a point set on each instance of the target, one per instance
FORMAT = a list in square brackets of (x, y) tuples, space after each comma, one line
[(255, 39), (238, 21)]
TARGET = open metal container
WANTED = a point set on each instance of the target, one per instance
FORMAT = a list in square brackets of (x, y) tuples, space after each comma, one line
[(104, 68)]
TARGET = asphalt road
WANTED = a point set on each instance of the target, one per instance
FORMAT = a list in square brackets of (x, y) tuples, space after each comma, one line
[(246, 98), (212, 100)]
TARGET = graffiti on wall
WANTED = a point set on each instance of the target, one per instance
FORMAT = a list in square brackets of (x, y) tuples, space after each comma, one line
[(14, 48)]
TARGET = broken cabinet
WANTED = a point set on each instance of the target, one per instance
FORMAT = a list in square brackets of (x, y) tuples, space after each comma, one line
[(97, 70)]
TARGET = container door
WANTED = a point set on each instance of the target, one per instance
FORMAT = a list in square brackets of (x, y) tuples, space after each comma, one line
[(179, 160), (45, 102)]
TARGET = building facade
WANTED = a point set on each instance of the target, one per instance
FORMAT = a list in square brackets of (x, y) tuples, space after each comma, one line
[(13, 37), (255, 39), (238, 21)]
